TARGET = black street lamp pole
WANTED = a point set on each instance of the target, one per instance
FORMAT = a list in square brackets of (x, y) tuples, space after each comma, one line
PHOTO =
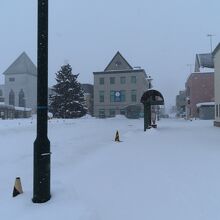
[(42, 144)]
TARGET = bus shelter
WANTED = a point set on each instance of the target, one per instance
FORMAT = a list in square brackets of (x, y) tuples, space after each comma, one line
[(149, 98)]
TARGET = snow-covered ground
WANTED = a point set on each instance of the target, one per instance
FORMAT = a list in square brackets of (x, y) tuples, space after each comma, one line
[(169, 173)]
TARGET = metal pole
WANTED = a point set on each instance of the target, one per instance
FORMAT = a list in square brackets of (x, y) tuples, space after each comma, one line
[(210, 36), (147, 116), (41, 187)]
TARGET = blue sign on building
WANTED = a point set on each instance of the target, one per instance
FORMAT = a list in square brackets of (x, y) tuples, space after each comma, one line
[(117, 96)]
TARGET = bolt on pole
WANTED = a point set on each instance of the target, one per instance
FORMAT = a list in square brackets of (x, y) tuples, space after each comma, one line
[(41, 184)]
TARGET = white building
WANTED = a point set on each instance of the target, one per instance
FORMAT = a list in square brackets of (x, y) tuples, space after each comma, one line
[(20, 87), (216, 55)]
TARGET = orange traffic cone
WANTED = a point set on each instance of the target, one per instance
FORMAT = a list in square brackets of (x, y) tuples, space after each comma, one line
[(117, 137), (17, 187)]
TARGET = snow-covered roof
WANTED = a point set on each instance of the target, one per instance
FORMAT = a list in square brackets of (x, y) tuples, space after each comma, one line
[(204, 60), (118, 62), (22, 109), (205, 104), (21, 65)]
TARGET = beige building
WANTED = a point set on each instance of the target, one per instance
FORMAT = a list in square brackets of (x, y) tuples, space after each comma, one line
[(118, 86), (216, 55)]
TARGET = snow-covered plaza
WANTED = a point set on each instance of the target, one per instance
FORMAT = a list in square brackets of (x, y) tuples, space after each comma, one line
[(169, 173)]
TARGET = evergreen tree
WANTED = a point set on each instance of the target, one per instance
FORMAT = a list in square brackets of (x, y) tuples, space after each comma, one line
[(68, 98)]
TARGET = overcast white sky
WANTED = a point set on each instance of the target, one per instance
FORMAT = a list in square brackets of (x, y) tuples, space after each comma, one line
[(160, 36)]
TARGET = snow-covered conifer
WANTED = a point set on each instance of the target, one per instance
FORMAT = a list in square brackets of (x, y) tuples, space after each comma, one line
[(68, 98)]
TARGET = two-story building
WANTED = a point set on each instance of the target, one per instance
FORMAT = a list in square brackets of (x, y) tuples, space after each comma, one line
[(200, 85), (118, 86), (199, 89)]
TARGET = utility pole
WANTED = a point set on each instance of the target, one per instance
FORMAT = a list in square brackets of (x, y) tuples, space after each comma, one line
[(41, 187), (210, 37)]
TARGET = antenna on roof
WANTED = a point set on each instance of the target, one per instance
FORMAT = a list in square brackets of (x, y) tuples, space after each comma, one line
[(210, 36)]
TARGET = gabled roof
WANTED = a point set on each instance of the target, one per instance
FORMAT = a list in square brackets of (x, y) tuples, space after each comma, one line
[(203, 60), (118, 62), (216, 50), (22, 65)]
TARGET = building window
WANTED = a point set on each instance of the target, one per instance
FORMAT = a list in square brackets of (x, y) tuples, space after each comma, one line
[(216, 110), (11, 98), (133, 95), (112, 112), (11, 79), (101, 81), (122, 111), (123, 96), (112, 80), (117, 96), (101, 96), (101, 113), (133, 79), (21, 99), (117, 63), (123, 80), (112, 96), (1, 93), (188, 91)]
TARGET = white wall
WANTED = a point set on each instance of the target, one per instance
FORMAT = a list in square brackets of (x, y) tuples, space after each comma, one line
[(22, 81)]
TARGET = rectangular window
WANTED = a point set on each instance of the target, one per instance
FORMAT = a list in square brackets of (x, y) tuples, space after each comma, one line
[(11, 79), (122, 111), (112, 112), (112, 80), (133, 79), (122, 79), (101, 81), (188, 91), (133, 95), (123, 96), (102, 113), (101, 96), (216, 110), (117, 96), (112, 96)]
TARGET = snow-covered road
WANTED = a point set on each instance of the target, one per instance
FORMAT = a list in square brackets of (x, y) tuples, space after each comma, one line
[(167, 173)]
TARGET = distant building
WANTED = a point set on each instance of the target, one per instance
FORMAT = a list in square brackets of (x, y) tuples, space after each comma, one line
[(118, 86), (199, 88), (20, 88), (181, 104), (216, 55), (88, 95)]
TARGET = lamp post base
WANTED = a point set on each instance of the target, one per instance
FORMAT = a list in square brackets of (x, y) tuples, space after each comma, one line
[(41, 170)]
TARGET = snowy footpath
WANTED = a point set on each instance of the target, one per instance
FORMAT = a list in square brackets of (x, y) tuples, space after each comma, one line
[(168, 173)]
